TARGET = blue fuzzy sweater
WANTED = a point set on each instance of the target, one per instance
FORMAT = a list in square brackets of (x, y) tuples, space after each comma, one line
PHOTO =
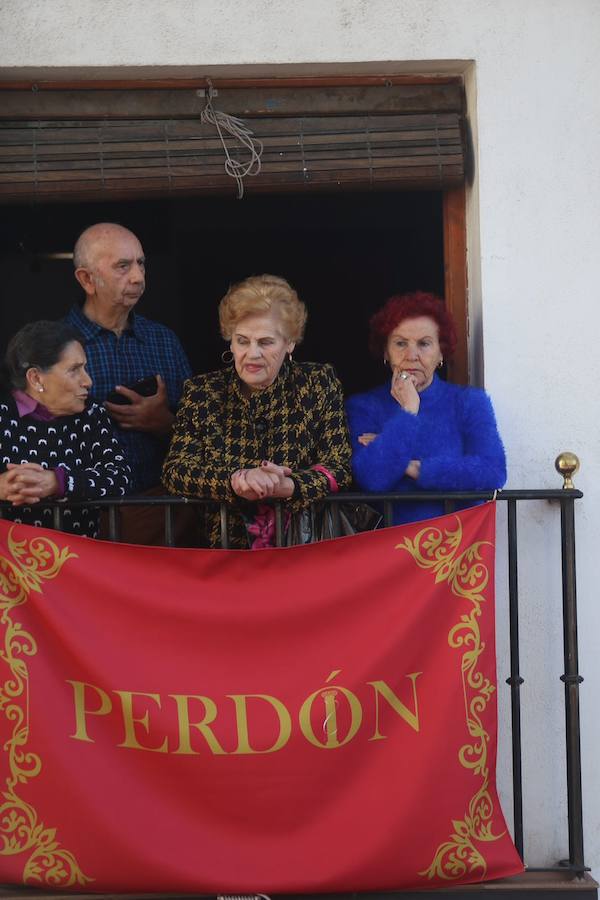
[(454, 435)]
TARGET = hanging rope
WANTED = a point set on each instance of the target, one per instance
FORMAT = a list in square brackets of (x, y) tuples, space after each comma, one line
[(238, 130)]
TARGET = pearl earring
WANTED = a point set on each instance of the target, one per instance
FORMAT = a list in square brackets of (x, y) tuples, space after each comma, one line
[(41, 389)]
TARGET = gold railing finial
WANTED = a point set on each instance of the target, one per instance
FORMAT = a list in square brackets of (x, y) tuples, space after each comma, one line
[(567, 464)]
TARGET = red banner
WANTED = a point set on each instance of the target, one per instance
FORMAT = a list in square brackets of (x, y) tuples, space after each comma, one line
[(315, 718)]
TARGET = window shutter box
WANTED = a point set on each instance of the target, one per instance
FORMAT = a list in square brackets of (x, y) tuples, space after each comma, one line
[(103, 144)]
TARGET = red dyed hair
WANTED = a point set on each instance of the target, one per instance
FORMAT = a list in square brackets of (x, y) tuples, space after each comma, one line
[(411, 306)]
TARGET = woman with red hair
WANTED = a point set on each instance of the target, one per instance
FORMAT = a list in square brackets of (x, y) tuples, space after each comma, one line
[(417, 432)]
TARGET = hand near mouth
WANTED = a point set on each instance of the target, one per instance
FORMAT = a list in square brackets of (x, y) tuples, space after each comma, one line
[(404, 391)]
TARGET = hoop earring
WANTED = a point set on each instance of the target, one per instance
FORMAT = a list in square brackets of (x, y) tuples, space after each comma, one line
[(227, 357)]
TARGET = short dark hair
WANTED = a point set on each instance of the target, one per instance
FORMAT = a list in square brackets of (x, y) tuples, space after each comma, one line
[(411, 306), (37, 345)]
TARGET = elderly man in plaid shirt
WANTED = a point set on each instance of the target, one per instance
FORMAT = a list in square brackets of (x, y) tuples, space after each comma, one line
[(123, 348)]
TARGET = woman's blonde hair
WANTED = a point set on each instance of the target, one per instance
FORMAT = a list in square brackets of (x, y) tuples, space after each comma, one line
[(262, 294)]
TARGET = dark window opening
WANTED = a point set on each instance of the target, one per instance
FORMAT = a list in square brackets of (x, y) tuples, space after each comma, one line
[(344, 253)]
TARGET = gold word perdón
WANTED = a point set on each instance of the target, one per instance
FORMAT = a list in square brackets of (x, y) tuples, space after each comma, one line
[(189, 724)]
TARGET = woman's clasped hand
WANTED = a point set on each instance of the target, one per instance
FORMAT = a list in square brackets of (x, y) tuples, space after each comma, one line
[(266, 480), (27, 483)]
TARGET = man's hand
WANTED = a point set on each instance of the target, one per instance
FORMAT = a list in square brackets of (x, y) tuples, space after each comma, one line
[(143, 413), (27, 483)]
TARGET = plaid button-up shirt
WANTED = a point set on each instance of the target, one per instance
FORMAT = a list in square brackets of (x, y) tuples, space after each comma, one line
[(145, 348)]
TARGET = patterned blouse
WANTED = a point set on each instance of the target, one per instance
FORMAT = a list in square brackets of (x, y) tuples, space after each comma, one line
[(298, 421), (82, 445)]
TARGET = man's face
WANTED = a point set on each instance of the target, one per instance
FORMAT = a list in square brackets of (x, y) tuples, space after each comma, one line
[(118, 270)]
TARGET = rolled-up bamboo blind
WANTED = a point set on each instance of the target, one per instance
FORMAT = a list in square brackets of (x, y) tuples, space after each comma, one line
[(54, 148)]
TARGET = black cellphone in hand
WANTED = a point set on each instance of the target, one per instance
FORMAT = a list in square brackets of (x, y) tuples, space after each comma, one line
[(146, 387)]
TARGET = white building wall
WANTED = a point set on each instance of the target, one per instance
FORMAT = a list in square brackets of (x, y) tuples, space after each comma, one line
[(534, 243)]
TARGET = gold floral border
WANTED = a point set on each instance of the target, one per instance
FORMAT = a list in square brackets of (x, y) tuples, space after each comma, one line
[(48, 864), (439, 550)]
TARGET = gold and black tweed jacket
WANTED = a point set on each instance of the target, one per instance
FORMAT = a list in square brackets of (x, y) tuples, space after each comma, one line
[(298, 421)]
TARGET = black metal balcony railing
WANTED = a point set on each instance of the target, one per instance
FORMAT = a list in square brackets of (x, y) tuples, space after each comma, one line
[(574, 864)]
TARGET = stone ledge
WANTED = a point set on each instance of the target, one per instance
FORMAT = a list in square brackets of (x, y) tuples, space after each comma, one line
[(543, 885)]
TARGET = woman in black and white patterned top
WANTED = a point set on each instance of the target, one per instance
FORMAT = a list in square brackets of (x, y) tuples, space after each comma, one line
[(53, 444)]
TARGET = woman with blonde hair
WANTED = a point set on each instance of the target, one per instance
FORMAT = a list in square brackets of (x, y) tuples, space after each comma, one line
[(263, 427)]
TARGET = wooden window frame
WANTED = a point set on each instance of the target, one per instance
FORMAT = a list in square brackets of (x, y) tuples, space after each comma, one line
[(455, 278)]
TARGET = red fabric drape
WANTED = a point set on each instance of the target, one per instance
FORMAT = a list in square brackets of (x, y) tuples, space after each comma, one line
[(315, 718)]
